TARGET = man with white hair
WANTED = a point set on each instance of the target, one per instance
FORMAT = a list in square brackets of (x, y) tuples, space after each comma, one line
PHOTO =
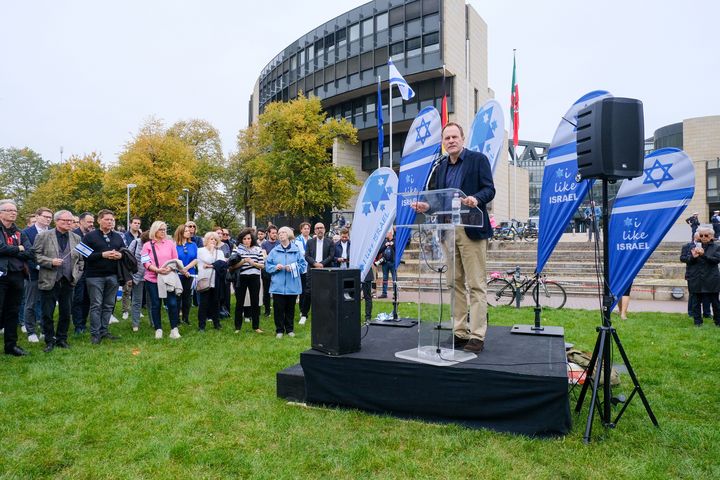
[(15, 252), (60, 269)]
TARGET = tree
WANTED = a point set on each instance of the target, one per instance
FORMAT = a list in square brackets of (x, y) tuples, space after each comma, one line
[(21, 171), (161, 166), (75, 185), (204, 139), (289, 162), (239, 172)]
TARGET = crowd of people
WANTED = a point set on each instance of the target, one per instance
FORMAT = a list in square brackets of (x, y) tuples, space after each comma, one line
[(81, 270)]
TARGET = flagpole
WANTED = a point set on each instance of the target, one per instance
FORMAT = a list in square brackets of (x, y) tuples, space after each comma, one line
[(390, 107), (379, 114)]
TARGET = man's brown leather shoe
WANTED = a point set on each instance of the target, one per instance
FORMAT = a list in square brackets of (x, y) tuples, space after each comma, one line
[(474, 346)]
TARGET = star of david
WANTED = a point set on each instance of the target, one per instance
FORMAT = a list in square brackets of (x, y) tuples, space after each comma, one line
[(660, 169), (421, 137), (486, 129), (560, 173), (628, 222), (375, 193)]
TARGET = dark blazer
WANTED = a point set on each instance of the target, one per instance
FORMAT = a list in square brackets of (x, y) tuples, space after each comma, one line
[(32, 233), (702, 273), (328, 252), (477, 182), (338, 253), (7, 251)]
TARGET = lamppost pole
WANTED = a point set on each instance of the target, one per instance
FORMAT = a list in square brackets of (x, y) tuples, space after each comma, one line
[(129, 186), (187, 204)]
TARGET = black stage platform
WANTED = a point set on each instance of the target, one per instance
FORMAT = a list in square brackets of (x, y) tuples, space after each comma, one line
[(517, 384)]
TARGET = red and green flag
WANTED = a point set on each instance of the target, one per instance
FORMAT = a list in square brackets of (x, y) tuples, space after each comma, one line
[(515, 106)]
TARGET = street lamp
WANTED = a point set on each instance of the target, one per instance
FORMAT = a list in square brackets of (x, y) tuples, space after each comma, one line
[(187, 204), (129, 186)]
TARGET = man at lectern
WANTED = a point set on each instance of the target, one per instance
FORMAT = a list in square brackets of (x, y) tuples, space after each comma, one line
[(470, 172)]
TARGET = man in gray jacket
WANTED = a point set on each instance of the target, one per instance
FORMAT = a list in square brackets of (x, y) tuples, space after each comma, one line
[(60, 268)]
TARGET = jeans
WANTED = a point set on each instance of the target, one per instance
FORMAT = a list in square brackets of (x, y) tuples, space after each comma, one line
[(388, 268), (155, 311), (266, 290), (103, 293), (284, 310), (62, 294), (32, 316), (137, 301), (127, 296), (305, 295), (250, 284)]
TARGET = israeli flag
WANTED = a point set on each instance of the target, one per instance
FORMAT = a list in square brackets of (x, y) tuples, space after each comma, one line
[(561, 194), (422, 148), (83, 249), (374, 215), (488, 132), (645, 209), (396, 79)]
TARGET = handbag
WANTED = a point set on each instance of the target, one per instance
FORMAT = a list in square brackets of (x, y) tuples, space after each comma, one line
[(204, 284)]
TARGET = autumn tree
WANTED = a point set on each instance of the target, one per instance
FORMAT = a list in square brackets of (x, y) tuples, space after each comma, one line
[(161, 166), (204, 139), (75, 185), (289, 160), (21, 171)]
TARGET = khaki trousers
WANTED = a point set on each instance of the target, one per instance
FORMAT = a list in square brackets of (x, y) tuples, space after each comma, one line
[(470, 280)]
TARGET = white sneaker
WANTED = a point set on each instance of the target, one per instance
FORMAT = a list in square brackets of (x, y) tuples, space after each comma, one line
[(135, 329), (125, 315), (174, 333), (142, 315), (237, 331), (302, 321), (113, 319), (247, 320), (279, 335), (291, 334), (2, 331), (41, 337), (33, 338), (23, 329), (158, 333)]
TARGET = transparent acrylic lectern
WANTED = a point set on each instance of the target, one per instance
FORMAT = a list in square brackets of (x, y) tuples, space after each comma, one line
[(433, 237)]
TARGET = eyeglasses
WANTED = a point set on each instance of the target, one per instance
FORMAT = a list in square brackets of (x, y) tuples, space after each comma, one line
[(704, 235), (65, 219), (162, 229), (49, 217), (8, 210)]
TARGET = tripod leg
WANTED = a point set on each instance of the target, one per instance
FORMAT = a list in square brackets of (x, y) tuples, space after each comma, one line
[(588, 374), (596, 383), (636, 384)]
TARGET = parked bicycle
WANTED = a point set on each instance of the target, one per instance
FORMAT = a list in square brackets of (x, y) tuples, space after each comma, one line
[(505, 291), (515, 230)]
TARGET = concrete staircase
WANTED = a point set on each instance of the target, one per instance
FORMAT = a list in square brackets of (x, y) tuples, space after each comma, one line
[(572, 264)]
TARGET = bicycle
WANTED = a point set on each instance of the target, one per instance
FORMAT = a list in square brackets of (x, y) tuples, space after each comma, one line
[(546, 293)]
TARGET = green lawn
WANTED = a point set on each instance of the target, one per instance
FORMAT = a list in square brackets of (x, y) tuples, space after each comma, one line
[(204, 406)]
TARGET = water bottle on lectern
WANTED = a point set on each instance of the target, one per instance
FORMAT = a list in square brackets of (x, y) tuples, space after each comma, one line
[(456, 209)]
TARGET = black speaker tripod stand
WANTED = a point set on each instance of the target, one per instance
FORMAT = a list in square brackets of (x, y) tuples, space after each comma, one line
[(600, 363)]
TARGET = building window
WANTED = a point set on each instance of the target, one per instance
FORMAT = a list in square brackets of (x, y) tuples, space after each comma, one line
[(370, 101), (366, 61), (397, 15), (430, 6), (431, 22), (381, 22), (353, 65), (367, 27), (412, 10), (397, 32), (412, 47), (354, 32), (431, 42), (340, 37), (396, 51), (413, 28), (330, 42), (341, 69), (381, 56)]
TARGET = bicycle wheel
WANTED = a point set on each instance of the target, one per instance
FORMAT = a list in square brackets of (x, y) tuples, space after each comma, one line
[(500, 292), (552, 294), (530, 236)]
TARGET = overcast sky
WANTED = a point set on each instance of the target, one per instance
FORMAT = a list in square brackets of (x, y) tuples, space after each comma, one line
[(85, 74)]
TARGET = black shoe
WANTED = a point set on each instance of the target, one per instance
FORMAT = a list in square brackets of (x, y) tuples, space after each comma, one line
[(16, 351), (474, 346), (49, 348), (110, 336), (95, 340), (382, 295), (79, 331), (62, 344), (460, 342)]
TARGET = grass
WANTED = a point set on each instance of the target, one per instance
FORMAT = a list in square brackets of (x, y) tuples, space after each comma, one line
[(204, 407)]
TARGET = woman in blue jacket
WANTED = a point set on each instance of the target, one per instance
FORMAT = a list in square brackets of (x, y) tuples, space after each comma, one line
[(285, 263)]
